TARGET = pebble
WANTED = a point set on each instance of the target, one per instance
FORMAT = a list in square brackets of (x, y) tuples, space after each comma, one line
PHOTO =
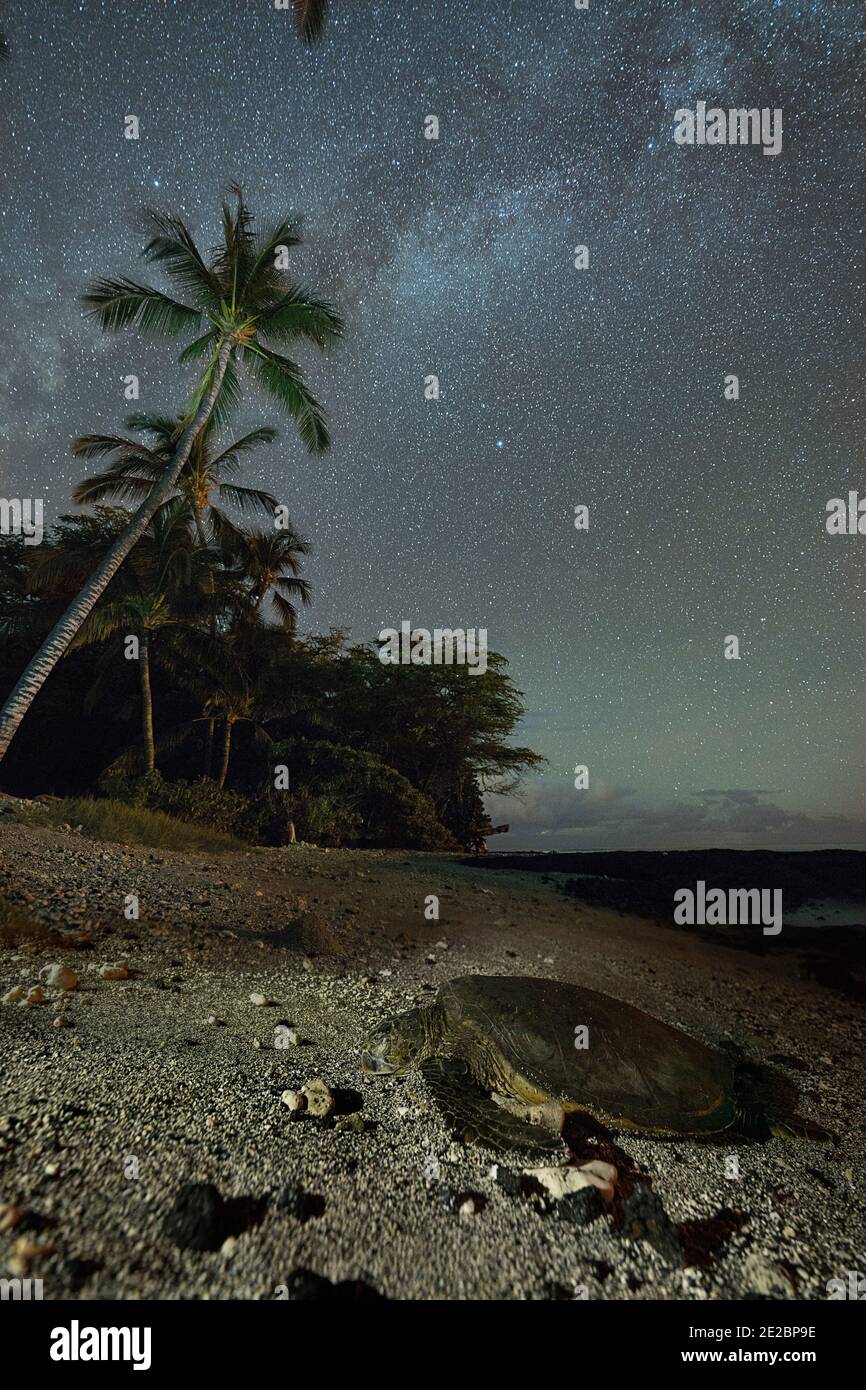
[(119, 970), (351, 1124), (24, 1252), (295, 1100), (34, 996), (14, 995), (320, 1098), (260, 1000), (560, 1181), (197, 1217), (59, 977), (766, 1279), (10, 1215)]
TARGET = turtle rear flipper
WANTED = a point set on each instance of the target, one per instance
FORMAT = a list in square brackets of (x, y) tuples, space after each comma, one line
[(767, 1105), (755, 1123), (798, 1127), (475, 1116)]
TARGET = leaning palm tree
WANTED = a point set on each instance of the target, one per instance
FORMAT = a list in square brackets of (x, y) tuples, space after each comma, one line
[(242, 305)]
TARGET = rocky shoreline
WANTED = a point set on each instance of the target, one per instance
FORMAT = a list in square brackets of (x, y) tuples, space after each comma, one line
[(147, 1149)]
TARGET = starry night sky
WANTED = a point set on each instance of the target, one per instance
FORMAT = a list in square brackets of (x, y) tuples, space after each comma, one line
[(559, 387)]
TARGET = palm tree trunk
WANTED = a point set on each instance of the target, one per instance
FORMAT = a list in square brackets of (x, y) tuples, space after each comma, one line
[(60, 636), (207, 760), (227, 750), (207, 757), (146, 703)]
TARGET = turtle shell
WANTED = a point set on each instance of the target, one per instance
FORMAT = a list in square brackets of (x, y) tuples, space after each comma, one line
[(635, 1071)]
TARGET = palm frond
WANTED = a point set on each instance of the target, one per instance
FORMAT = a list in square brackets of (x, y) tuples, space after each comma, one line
[(105, 620), (164, 429), (247, 499), (94, 446), (232, 259), (286, 612), (247, 442), (114, 485), (200, 347), (229, 538), (299, 315), (284, 381), (310, 16), (298, 588), (116, 302), (172, 246), (265, 279)]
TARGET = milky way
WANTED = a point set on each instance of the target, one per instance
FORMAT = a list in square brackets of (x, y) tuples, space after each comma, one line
[(558, 386)]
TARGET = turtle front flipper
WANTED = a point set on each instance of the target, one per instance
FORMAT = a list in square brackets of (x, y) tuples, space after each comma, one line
[(476, 1117)]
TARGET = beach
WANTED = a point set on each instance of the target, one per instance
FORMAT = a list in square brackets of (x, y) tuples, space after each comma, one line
[(150, 1087)]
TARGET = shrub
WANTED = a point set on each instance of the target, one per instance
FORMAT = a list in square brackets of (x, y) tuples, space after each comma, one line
[(319, 819), (202, 802), (341, 795)]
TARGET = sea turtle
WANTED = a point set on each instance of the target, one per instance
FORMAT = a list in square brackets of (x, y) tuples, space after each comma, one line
[(522, 1040)]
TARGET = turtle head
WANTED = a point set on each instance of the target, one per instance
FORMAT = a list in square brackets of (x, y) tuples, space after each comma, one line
[(397, 1045)]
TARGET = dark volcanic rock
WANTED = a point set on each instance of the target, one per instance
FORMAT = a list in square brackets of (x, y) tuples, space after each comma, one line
[(202, 1219), (644, 1218)]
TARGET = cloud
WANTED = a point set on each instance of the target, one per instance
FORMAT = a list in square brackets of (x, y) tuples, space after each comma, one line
[(552, 816)]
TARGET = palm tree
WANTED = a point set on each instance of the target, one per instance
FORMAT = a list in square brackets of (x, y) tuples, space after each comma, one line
[(270, 561), (140, 615), (310, 16), (159, 587), (247, 687), (244, 302), (137, 467)]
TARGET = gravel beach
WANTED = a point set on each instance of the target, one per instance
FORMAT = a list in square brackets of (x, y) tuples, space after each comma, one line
[(147, 1149)]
